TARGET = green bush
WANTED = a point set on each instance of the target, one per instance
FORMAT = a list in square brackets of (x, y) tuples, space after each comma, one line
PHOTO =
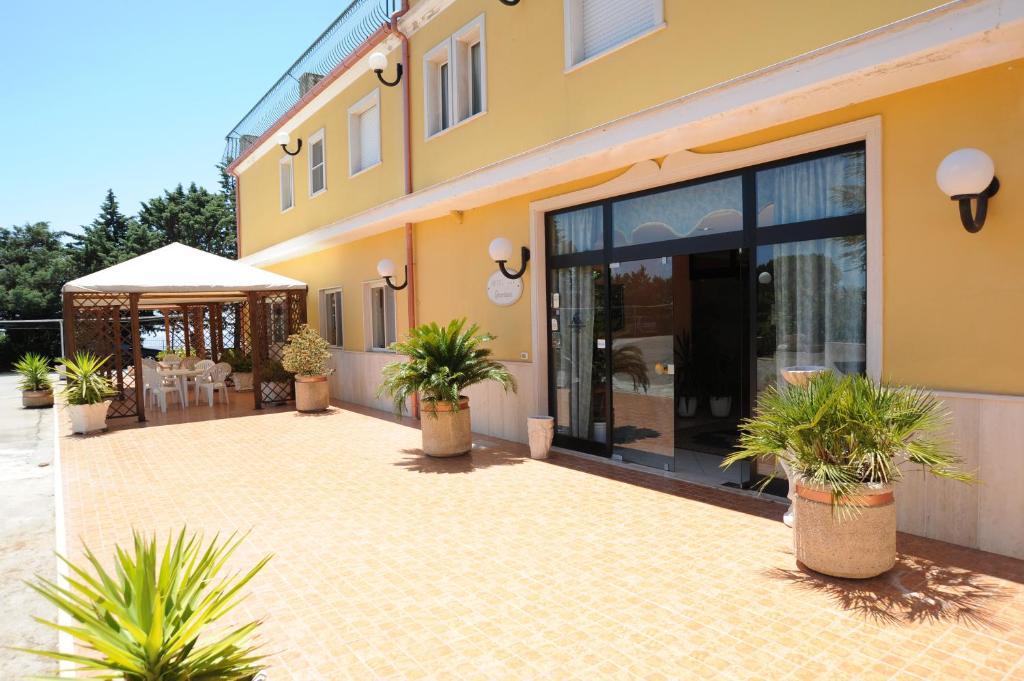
[(239, 361)]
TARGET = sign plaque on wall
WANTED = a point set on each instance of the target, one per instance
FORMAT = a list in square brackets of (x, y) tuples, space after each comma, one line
[(504, 291)]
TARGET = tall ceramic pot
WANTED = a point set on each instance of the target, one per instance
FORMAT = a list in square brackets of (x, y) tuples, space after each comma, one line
[(856, 541), (541, 432), (312, 393), (446, 432)]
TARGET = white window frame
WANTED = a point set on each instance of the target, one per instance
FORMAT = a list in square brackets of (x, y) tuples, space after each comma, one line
[(355, 113), (320, 137), (286, 161), (368, 289), (574, 35), (324, 293), (455, 52)]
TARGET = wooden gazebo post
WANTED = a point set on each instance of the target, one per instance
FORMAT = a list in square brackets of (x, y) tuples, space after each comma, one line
[(140, 402), (252, 300)]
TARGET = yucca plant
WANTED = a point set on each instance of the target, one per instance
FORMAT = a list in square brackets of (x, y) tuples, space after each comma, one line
[(442, 362), (849, 431), (34, 371), (85, 382), (150, 619)]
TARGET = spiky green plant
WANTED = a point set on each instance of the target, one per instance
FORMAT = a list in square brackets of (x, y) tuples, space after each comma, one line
[(85, 382), (442, 362), (150, 620), (844, 432), (34, 371)]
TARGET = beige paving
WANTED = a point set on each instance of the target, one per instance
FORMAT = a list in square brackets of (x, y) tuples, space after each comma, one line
[(391, 565)]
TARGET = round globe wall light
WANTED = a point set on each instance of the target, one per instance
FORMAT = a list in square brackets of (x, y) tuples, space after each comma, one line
[(284, 139), (501, 250), (378, 61), (386, 270), (968, 175)]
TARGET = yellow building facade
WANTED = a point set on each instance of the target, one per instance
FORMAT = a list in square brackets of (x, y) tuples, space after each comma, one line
[(735, 185)]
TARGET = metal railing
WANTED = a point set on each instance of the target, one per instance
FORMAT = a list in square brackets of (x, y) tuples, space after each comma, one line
[(360, 20)]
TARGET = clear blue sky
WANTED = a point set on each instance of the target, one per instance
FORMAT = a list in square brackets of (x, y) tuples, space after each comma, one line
[(132, 95)]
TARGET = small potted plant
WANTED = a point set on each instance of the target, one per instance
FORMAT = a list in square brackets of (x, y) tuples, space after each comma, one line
[(160, 615), (845, 440), (35, 384), (721, 383), (442, 362), (241, 368), (275, 382), (687, 385), (306, 355), (86, 391)]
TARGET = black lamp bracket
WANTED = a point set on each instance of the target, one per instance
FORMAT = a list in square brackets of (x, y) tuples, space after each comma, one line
[(390, 83), (393, 285), (525, 255), (973, 218)]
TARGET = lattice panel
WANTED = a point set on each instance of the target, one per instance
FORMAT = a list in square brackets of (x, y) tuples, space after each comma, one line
[(102, 325), (273, 326), (174, 329)]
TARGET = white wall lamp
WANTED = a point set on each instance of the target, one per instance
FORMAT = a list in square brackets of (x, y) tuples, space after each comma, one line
[(283, 139), (969, 175), (501, 250), (379, 62), (386, 269)]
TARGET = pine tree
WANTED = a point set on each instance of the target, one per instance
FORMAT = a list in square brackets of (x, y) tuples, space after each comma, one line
[(111, 238), (195, 217)]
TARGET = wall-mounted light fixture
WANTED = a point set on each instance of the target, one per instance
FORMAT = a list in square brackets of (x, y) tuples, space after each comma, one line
[(379, 62), (510, 3), (284, 139), (969, 175), (386, 269), (501, 250)]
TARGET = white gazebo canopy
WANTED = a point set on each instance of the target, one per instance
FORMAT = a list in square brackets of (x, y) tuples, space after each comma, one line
[(178, 273)]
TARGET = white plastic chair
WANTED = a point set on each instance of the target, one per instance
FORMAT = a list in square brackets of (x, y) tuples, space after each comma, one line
[(214, 380), (154, 384), (202, 365)]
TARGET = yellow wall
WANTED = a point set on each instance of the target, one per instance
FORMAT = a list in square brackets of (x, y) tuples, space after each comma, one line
[(531, 100)]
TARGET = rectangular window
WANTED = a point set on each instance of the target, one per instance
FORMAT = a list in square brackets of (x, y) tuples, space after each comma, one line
[(382, 323), (364, 133), (827, 187), (455, 74), (317, 163), (287, 171), (331, 317), (594, 27)]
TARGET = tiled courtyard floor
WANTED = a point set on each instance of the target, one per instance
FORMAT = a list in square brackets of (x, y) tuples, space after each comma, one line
[(391, 565)]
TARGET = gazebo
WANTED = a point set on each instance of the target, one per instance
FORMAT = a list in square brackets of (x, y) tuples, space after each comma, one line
[(208, 304)]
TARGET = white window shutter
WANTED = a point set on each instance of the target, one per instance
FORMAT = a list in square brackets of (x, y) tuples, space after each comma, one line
[(607, 23), (369, 138)]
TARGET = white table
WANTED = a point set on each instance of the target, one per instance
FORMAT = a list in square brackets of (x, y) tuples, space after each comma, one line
[(181, 376)]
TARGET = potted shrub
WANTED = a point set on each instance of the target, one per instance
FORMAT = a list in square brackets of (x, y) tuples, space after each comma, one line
[(35, 384), (153, 617), (846, 439), (442, 362), (687, 385), (86, 391), (306, 355), (274, 382), (241, 368)]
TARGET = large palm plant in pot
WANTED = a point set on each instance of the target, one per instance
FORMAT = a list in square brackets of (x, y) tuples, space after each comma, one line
[(442, 362), (35, 384), (846, 439), (86, 391)]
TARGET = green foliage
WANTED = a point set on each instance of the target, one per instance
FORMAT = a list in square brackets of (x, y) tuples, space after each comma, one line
[(195, 216), (34, 371), (306, 353), (239, 361), (86, 383), (151, 619), (272, 371), (111, 238), (442, 362), (844, 432), (179, 353)]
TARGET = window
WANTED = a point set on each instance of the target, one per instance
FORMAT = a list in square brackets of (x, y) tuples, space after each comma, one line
[(287, 170), (317, 163), (364, 133), (455, 77), (593, 27), (380, 319), (330, 316)]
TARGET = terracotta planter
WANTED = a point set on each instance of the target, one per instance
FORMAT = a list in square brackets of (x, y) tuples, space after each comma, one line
[(541, 432), (242, 380), (312, 393), (86, 418), (37, 399), (857, 541), (446, 432)]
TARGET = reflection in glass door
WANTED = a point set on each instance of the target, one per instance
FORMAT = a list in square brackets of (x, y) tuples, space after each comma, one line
[(641, 362)]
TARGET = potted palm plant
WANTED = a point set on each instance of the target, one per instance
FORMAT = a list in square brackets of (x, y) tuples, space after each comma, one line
[(846, 439), (306, 355), (442, 362), (241, 368), (86, 391), (35, 384), (154, 617)]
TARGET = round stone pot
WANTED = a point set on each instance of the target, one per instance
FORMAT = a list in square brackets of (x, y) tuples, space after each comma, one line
[(37, 399), (242, 380), (541, 432), (85, 418), (856, 540), (446, 432), (312, 393)]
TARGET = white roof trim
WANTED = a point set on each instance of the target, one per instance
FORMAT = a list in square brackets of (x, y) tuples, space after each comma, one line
[(956, 38)]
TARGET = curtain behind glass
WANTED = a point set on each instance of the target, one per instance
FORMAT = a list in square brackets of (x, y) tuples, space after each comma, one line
[(827, 187), (576, 354)]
